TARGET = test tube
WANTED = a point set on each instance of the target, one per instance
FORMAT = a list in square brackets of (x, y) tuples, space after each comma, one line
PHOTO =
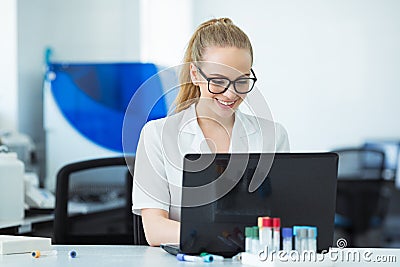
[(263, 232), (259, 221), (302, 235), (276, 226), (312, 238), (296, 232), (267, 232), (248, 232), (255, 244), (297, 238), (287, 235)]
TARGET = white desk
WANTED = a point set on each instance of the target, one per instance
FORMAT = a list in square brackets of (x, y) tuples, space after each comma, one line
[(102, 256), (121, 256)]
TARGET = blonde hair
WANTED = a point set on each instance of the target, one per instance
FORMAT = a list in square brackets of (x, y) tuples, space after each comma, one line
[(215, 32)]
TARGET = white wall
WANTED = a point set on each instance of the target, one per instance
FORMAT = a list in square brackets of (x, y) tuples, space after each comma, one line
[(77, 31), (328, 69), (166, 27), (8, 65)]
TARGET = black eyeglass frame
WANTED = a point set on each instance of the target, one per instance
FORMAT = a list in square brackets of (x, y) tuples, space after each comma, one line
[(208, 79)]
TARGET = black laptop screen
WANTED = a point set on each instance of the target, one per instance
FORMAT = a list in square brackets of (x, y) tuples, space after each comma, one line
[(299, 188)]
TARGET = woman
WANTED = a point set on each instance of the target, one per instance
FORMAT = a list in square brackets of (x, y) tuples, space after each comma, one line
[(214, 81)]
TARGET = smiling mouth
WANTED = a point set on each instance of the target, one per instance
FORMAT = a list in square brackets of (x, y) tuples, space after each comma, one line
[(226, 103)]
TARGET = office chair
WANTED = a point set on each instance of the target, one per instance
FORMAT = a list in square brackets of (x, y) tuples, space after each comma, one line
[(96, 183), (362, 194)]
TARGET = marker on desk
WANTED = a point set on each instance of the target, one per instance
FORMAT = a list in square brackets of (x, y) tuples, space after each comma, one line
[(37, 253), (237, 257), (214, 257), (183, 257), (208, 258), (72, 254)]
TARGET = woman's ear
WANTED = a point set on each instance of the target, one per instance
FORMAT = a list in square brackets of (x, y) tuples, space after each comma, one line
[(193, 74)]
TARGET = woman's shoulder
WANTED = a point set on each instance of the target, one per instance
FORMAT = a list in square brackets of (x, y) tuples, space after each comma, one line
[(259, 125), (258, 122)]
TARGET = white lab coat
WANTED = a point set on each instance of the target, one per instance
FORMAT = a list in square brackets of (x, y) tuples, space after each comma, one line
[(164, 142)]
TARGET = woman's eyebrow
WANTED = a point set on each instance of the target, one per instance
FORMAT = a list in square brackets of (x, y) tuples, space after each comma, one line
[(223, 76)]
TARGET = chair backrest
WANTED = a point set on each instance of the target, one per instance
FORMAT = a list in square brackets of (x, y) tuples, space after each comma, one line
[(360, 163), (94, 204), (362, 192)]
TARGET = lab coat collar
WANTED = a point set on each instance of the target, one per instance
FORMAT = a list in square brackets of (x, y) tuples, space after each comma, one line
[(189, 123), (243, 127)]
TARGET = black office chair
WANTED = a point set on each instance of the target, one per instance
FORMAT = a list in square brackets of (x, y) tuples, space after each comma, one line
[(96, 183), (362, 194)]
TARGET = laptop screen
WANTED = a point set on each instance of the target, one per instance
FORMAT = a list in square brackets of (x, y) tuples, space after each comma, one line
[(299, 188)]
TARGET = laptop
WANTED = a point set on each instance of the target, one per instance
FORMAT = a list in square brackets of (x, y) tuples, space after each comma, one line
[(299, 188)]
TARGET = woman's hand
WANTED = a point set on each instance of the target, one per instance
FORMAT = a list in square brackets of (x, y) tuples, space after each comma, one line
[(158, 228)]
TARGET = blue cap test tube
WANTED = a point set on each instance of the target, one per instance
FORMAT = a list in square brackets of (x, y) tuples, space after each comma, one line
[(287, 236)]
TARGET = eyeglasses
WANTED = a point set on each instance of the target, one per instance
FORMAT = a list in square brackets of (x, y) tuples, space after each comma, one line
[(220, 85)]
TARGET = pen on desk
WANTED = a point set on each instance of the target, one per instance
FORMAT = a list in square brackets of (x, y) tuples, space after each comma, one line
[(183, 257), (214, 257), (72, 254), (37, 253), (237, 257), (208, 258)]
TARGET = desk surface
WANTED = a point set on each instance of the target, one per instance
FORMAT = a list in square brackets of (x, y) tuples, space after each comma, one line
[(101, 256), (113, 256)]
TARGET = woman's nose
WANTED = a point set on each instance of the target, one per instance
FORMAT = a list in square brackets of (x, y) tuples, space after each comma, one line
[(230, 93)]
